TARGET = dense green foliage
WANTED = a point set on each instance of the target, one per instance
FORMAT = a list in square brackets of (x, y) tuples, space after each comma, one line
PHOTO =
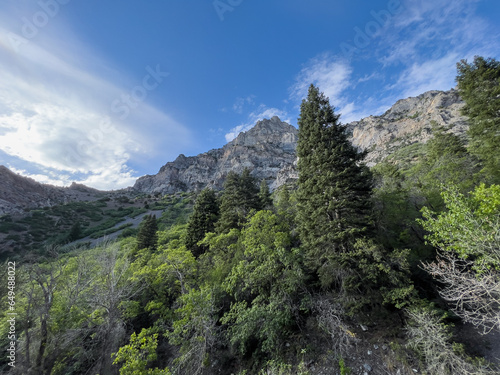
[(256, 283), (265, 196), (479, 86), (239, 198), (147, 238)]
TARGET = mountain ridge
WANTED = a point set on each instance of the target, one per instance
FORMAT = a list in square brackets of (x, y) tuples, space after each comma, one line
[(408, 121), (19, 193), (268, 149)]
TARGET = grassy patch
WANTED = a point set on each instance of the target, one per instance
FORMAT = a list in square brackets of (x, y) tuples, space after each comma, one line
[(106, 224), (109, 231)]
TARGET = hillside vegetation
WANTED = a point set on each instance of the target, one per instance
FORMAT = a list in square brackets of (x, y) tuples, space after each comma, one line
[(351, 270)]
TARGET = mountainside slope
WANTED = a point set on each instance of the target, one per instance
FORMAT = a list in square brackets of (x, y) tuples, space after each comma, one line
[(268, 149), (408, 121), (18, 193)]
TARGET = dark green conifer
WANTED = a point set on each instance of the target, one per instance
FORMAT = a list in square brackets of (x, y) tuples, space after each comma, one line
[(265, 196), (479, 87), (147, 237), (249, 192), (239, 198), (285, 205), (202, 220), (230, 201), (448, 161), (75, 232), (334, 187)]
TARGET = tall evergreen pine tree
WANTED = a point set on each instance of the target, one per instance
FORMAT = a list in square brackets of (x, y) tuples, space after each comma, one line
[(202, 220), (479, 87), (265, 196), (229, 215), (334, 187), (249, 193)]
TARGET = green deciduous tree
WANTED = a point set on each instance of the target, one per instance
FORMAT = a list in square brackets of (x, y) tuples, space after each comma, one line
[(266, 286), (468, 238), (479, 86), (195, 330), (205, 215), (334, 186), (138, 353)]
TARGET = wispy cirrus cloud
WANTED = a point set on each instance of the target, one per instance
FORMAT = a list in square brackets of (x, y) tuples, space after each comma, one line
[(67, 112), (331, 74), (428, 38), (240, 103), (416, 50)]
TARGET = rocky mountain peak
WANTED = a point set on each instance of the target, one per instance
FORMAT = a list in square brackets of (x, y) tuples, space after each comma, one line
[(269, 131), (266, 149), (272, 125)]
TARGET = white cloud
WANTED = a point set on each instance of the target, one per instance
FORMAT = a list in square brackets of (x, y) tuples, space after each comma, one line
[(430, 75), (432, 29), (417, 51), (44, 178), (330, 74), (59, 113), (427, 39), (366, 77), (334, 77), (262, 112)]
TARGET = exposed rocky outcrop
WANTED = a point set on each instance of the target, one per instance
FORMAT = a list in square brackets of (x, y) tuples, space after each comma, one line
[(268, 149), (408, 121)]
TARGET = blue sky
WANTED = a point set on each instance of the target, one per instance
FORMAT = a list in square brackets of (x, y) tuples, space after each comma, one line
[(102, 92)]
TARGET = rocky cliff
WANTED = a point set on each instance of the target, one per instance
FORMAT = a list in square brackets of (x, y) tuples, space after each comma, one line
[(268, 149), (408, 121)]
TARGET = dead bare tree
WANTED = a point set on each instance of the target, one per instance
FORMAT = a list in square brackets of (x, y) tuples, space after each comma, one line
[(473, 295), (110, 287), (41, 285), (331, 318), (429, 337)]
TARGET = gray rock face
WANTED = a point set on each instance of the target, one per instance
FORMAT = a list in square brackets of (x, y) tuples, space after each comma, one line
[(268, 149), (408, 121)]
